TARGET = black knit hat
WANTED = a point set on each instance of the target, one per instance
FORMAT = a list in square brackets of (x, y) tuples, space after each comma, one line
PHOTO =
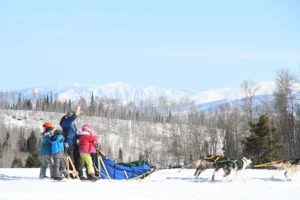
[(70, 113), (58, 132)]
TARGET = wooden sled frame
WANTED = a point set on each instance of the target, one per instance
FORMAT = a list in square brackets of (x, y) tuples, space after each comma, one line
[(68, 163)]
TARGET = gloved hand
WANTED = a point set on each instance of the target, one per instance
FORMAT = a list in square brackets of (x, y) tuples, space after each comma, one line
[(77, 113), (66, 148), (53, 137)]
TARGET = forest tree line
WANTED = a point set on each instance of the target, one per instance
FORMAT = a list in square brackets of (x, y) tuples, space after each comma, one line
[(189, 131)]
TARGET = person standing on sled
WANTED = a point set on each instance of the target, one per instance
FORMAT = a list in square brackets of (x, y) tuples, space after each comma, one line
[(58, 154), (70, 135), (87, 147), (46, 150)]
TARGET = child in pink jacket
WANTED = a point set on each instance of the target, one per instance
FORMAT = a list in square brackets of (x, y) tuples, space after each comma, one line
[(87, 145)]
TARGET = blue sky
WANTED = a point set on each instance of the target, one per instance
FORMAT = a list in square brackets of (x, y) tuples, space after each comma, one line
[(187, 45)]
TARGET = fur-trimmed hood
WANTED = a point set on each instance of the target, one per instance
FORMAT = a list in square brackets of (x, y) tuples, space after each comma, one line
[(84, 133), (87, 142)]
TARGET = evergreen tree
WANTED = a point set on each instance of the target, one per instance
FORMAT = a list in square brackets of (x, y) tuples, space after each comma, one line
[(191, 157), (33, 161), (205, 148), (28, 105), (17, 163), (19, 104), (147, 155), (229, 145), (6, 142), (140, 156), (32, 143), (120, 157), (109, 152), (70, 105), (169, 118), (262, 145), (22, 141), (1, 149), (92, 105)]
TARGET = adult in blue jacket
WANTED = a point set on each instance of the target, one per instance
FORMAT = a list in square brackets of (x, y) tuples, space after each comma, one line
[(70, 134), (46, 150)]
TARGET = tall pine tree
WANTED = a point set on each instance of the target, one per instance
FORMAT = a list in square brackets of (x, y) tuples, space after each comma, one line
[(262, 145), (32, 143), (120, 157)]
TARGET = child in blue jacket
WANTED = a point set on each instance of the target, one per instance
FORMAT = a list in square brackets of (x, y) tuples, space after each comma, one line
[(58, 154), (46, 150)]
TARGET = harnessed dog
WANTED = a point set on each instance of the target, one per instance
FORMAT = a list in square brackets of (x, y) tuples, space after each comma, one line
[(291, 166), (294, 168), (228, 165), (204, 162), (241, 165)]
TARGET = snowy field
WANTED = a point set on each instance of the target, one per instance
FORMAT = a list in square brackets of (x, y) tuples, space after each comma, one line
[(169, 184)]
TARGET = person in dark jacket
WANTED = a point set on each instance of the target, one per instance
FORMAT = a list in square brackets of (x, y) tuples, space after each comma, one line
[(58, 154), (46, 150), (70, 134)]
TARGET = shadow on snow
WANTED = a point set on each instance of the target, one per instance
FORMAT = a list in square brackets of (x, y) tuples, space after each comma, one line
[(5, 177)]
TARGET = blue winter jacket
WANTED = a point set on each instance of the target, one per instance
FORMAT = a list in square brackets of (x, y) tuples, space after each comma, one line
[(58, 144), (69, 129), (46, 147)]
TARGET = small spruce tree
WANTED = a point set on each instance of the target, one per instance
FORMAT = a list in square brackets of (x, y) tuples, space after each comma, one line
[(33, 161), (262, 145), (17, 163), (32, 143), (141, 156), (191, 157), (120, 158)]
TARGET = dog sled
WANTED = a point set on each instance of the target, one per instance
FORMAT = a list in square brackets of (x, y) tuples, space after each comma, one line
[(137, 170)]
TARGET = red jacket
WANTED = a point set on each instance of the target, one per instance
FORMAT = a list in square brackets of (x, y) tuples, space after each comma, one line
[(87, 142)]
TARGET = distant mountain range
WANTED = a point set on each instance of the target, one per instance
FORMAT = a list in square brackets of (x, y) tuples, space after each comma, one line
[(127, 93)]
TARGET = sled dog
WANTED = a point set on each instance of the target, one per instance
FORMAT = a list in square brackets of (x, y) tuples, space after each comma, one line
[(228, 165), (294, 168), (205, 162), (282, 164), (240, 165), (223, 163)]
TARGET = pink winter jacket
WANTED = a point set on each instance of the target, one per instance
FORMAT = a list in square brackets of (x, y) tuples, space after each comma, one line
[(87, 142)]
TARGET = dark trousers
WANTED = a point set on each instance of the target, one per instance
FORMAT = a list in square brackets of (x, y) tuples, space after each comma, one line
[(73, 152), (95, 163)]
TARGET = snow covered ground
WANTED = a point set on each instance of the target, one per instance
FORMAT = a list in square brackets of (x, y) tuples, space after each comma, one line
[(169, 184)]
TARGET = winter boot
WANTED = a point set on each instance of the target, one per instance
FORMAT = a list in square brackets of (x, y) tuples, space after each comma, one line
[(92, 177), (58, 178), (72, 176), (43, 176)]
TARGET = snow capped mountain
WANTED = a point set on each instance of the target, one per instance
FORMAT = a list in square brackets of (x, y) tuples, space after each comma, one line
[(117, 90), (127, 93)]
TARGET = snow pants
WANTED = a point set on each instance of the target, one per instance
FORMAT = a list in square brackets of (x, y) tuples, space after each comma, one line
[(86, 159), (46, 161), (59, 164)]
